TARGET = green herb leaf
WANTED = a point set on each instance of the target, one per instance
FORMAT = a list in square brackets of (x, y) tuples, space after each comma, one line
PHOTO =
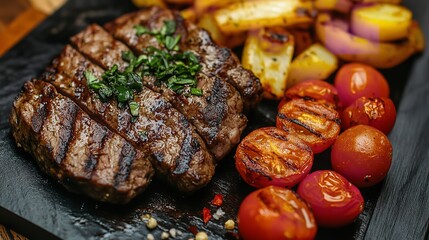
[(196, 91), (140, 30), (171, 42), (90, 78), (170, 27), (134, 109)]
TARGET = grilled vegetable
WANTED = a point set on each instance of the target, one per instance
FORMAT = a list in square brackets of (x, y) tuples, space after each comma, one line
[(270, 156), (208, 22), (381, 22), (180, 2), (268, 53), (316, 123), (147, 3), (343, 6), (243, 16), (189, 14), (379, 1), (202, 6), (303, 40), (333, 32), (316, 62)]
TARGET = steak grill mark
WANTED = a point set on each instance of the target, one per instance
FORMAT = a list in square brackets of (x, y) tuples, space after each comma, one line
[(217, 115)]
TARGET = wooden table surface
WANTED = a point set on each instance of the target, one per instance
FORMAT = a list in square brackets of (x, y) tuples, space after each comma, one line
[(17, 18)]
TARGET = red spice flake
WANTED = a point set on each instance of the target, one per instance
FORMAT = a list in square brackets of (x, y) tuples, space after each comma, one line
[(206, 215), (193, 229), (217, 200)]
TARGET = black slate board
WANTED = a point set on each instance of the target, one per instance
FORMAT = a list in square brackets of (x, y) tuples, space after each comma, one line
[(38, 207)]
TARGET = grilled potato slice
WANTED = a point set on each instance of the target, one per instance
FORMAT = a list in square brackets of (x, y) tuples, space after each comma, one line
[(148, 3), (379, 1), (316, 62), (243, 16), (381, 22), (268, 54), (343, 6), (189, 14), (202, 6), (208, 22), (334, 34), (180, 2)]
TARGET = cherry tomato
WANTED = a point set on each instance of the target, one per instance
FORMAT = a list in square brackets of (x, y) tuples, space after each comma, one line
[(357, 80), (270, 156), (316, 123), (316, 90), (363, 155), (275, 213), (334, 200), (375, 112)]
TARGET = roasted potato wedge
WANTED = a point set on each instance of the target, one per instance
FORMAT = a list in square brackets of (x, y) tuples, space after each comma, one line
[(316, 62), (148, 3), (343, 6), (268, 54), (208, 22), (189, 14), (243, 16), (381, 22), (180, 2), (379, 1), (334, 34), (202, 6)]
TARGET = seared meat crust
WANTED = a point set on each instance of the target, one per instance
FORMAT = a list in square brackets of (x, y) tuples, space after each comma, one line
[(179, 154), (217, 115), (83, 155), (216, 61), (94, 148)]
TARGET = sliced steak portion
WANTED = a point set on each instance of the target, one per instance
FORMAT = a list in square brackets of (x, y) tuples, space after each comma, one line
[(83, 155), (216, 61), (179, 154), (217, 115)]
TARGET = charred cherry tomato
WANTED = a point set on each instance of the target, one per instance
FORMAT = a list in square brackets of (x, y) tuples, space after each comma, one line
[(270, 156), (334, 200), (375, 112), (357, 80), (312, 90), (316, 123), (363, 155), (275, 213)]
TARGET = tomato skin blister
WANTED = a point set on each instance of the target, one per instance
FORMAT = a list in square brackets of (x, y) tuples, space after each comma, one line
[(334, 200), (270, 156), (375, 112), (275, 213), (317, 124)]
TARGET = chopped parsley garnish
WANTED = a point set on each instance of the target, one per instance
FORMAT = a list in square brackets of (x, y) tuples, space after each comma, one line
[(174, 69), (118, 85)]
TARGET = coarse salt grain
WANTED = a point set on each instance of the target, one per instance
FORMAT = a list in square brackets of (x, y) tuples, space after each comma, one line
[(218, 214)]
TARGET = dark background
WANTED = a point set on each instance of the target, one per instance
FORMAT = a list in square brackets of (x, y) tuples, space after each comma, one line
[(40, 208)]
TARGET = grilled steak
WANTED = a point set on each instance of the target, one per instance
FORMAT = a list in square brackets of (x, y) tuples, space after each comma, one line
[(99, 148), (83, 155), (217, 115), (179, 153), (216, 61)]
